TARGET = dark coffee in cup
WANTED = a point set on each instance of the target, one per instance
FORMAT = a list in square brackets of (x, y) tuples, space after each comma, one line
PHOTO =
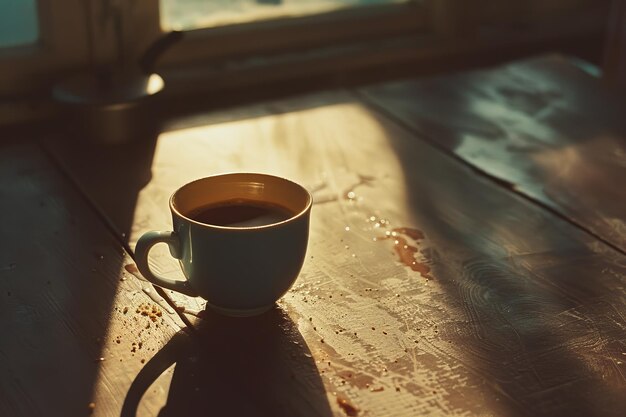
[(241, 213)]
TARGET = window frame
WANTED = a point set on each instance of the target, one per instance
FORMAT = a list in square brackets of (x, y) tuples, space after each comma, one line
[(290, 34), (307, 45), (63, 44)]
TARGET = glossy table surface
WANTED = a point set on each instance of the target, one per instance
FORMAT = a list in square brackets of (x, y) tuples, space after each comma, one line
[(466, 257)]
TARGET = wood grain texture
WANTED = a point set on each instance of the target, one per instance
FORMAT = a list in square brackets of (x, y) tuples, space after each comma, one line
[(542, 126), (427, 288), (71, 334)]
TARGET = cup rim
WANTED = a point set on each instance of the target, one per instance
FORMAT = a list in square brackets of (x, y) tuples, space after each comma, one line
[(296, 216)]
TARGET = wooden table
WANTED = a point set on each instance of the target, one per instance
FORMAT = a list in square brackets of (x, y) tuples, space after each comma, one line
[(466, 257)]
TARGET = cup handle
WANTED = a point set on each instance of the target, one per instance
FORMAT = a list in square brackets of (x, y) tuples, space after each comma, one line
[(142, 250)]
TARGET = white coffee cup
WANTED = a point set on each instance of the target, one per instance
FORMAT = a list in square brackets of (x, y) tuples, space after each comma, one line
[(241, 270)]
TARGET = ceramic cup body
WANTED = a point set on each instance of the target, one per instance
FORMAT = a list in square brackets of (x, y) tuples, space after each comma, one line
[(240, 271)]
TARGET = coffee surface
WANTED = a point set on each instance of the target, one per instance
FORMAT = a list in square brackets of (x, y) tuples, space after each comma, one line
[(241, 213)]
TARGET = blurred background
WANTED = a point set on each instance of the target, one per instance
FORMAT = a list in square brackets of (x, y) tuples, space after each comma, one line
[(236, 51)]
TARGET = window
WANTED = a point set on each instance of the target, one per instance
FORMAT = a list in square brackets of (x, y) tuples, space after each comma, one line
[(18, 22), (241, 41), (39, 39), (194, 14)]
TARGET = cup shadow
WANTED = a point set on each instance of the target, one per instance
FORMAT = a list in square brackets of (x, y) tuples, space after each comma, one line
[(258, 366)]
